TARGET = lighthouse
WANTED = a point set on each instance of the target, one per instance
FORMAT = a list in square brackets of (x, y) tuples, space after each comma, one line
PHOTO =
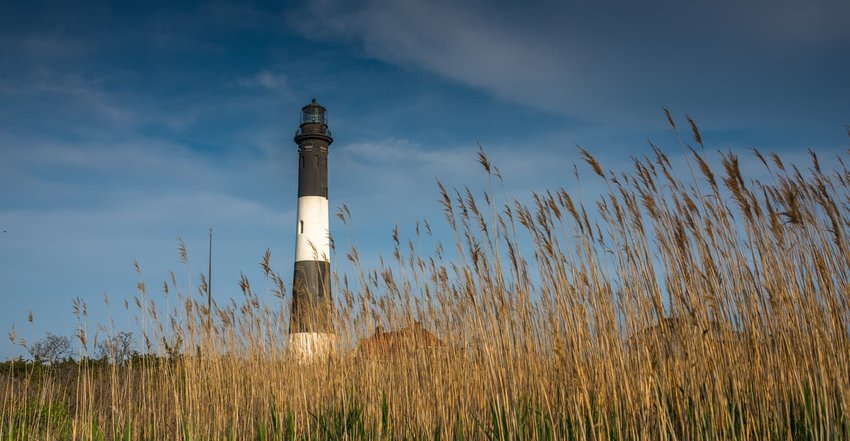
[(311, 330)]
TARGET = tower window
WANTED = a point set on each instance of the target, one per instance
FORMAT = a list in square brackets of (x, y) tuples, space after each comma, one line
[(316, 160), (302, 161), (301, 227)]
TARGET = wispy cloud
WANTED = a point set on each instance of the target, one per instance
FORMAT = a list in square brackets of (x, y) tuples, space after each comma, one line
[(276, 82), (406, 155), (615, 62)]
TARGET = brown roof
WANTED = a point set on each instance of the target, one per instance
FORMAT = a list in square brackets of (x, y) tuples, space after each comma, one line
[(413, 338)]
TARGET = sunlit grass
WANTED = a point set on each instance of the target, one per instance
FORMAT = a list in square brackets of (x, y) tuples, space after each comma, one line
[(681, 304)]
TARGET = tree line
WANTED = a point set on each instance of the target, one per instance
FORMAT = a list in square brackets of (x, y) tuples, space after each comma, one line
[(52, 349)]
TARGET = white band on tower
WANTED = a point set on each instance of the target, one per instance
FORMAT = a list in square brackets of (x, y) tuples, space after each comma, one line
[(312, 240)]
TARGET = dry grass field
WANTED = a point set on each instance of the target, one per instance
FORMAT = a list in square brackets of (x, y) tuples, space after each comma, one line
[(686, 302)]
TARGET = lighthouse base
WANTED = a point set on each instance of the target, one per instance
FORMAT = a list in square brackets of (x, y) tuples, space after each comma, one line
[(307, 347)]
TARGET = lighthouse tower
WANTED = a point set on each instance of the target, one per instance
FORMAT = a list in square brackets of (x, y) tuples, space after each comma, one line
[(311, 322)]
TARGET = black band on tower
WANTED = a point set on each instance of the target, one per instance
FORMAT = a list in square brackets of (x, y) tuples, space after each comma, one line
[(313, 170)]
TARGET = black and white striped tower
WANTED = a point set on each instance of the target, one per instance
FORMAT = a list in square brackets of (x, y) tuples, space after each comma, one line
[(311, 321)]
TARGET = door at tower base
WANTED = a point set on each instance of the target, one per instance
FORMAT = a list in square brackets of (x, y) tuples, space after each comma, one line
[(307, 347)]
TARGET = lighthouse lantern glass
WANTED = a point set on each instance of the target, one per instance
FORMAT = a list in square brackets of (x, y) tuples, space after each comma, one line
[(313, 114)]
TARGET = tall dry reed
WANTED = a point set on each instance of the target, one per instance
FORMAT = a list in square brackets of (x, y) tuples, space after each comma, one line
[(700, 305)]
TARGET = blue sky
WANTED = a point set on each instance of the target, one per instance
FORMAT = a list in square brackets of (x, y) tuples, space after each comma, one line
[(124, 127)]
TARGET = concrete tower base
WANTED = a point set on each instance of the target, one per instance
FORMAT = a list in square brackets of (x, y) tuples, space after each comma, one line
[(307, 347)]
